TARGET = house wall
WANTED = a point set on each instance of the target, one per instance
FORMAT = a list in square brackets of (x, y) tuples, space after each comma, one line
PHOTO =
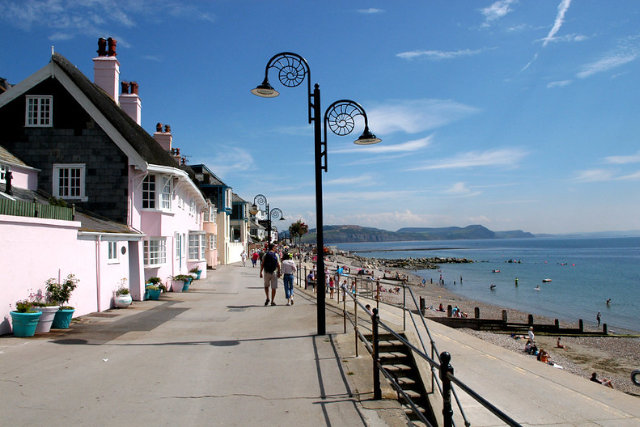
[(55, 252), (211, 255), (75, 138), (24, 177)]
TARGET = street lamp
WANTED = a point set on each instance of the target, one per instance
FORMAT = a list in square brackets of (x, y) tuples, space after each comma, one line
[(261, 200), (339, 117)]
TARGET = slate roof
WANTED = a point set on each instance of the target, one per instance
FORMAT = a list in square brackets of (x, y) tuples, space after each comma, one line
[(237, 199), (6, 156), (213, 179)]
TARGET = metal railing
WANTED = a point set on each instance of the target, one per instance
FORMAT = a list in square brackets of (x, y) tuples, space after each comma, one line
[(442, 373), (35, 210)]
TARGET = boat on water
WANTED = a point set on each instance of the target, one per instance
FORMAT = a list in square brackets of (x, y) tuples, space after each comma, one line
[(495, 270), (546, 280)]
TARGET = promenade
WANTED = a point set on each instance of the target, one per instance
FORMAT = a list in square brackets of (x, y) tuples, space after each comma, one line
[(217, 356)]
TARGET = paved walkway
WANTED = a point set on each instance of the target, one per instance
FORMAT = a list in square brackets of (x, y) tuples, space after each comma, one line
[(217, 356), (212, 356)]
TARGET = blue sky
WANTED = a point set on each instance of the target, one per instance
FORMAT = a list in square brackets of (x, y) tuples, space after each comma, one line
[(512, 114)]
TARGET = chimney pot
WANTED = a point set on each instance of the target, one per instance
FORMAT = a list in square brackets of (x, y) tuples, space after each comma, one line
[(102, 47), (112, 46), (158, 127), (134, 87), (125, 87), (167, 128)]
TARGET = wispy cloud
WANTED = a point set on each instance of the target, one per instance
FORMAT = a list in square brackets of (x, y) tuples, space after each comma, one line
[(461, 189), (569, 38), (405, 147), (621, 160), (594, 175), (362, 179), (623, 55), (631, 177), (508, 157), (496, 10), (228, 160), (560, 83), (370, 11), (413, 116), (557, 24), (438, 55), (68, 18)]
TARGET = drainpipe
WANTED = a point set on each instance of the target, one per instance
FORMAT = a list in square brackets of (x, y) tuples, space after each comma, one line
[(98, 239)]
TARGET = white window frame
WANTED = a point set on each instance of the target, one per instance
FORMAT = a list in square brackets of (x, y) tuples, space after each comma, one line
[(166, 192), (155, 251), (81, 167), (38, 111), (3, 173), (178, 246), (196, 246), (212, 241), (112, 253), (149, 192)]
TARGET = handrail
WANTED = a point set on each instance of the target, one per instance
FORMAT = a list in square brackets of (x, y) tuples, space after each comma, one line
[(446, 375)]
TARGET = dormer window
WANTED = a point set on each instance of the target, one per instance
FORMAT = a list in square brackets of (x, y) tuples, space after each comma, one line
[(152, 199), (39, 111)]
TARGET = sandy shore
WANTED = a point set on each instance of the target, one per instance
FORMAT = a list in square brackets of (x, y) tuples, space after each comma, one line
[(612, 357)]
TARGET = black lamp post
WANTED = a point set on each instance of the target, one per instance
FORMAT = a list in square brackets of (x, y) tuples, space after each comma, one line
[(261, 200), (339, 117)]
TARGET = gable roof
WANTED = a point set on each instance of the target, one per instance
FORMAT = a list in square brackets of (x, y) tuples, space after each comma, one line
[(214, 180), (140, 140)]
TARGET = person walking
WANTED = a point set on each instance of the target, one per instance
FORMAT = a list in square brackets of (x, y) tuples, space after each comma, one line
[(243, 255), (270, 266), (254, 257), (288, 271)]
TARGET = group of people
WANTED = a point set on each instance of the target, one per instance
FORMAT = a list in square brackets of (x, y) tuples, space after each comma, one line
[(271, 268)]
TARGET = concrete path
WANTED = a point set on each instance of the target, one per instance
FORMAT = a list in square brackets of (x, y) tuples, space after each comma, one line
[(212, 356)]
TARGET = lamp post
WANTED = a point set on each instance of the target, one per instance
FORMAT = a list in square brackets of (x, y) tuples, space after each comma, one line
[(339, 117), (261, 200)]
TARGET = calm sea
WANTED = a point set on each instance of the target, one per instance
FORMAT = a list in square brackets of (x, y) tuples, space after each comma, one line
[(584, 273)]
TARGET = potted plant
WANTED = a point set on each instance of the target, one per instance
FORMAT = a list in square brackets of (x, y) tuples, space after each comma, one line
[(47, 308), (122, 297), (178, 281), (60, 293), (24, 319), (196, 271), (153, 288)]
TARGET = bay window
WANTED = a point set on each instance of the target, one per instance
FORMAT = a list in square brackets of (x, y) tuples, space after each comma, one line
[(155, 251)]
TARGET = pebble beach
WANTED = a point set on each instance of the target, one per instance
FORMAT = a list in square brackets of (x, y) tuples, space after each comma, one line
[(613, 357)]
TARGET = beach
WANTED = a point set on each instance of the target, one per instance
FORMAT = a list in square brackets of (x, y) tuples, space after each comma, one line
[(612, 357)]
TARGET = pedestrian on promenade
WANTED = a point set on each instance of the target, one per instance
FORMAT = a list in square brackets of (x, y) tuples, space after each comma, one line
[(254, 257), (311, 281), (288, 270), (243, 255), (270, 265)]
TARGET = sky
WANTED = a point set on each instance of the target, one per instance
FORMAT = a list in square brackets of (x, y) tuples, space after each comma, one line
[(512, 114)]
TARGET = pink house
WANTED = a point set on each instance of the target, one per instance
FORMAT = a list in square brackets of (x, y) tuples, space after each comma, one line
[(143, 214)]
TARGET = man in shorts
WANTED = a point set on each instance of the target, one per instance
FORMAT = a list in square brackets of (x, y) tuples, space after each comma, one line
[(270, 266)]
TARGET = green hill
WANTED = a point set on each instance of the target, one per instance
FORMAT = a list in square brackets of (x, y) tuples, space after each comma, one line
[(356, 233)]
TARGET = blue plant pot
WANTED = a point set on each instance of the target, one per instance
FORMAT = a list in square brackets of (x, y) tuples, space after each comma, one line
[(198, 273), (24, 324), (154, 295), (62, 319)]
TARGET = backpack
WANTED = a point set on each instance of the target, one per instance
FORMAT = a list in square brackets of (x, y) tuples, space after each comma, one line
[(270, 262)]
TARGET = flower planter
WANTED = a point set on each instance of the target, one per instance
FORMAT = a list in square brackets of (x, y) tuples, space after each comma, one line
[(122, 301), (198, 273), (153, 294), (48, 314), (24, 324), (62, 319), (187, 283), (177, 285)]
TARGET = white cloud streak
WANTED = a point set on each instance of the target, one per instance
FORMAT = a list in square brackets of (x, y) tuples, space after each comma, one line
[(594, 175), (405, 147), (607, 63), (362, 179), (496, 10), (438, 55), (621, 160), (228, 160), (370, 11), (561, 83), (413, 116), (557, 24), (508, 157)]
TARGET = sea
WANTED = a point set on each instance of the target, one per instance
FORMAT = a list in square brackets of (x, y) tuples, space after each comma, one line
[(584, 273)]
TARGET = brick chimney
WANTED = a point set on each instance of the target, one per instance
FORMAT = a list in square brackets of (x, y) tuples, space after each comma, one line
[(130, 101), (163, 138), (106, 68)]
